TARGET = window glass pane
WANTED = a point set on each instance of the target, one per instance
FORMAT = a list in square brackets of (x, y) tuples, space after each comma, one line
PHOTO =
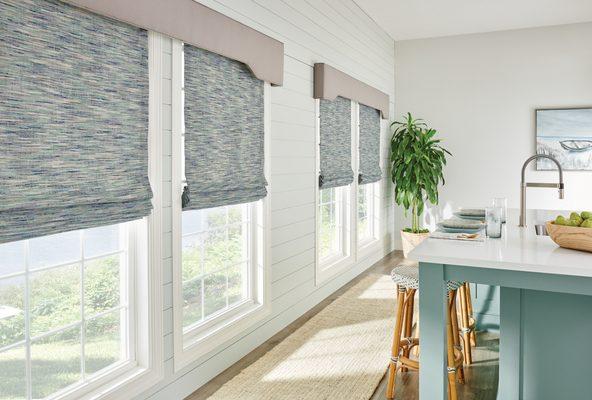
[(101, 240), (365, 210), (12, 370), (12, 257), (54, 278), (55, 298), (101, 285), (55, 362), (215, 249), (103, 345), (214, 292), (192, 304), (12, 317), (54, 249), (237, 284), (329, 224), (193, 249)]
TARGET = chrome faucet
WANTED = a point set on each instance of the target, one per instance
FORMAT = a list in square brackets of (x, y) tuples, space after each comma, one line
[(524, 185)]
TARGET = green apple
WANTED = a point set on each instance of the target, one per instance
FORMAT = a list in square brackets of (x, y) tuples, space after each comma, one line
[(586, 214), (561, 220), (575, 217), (587, 223)]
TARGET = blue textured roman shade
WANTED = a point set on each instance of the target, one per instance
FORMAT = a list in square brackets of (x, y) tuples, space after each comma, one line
[(335, 143), (369, 145), (224, 132), (73, 120)]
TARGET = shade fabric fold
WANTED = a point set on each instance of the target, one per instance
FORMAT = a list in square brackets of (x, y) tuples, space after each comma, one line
[(335, 143), (73, 120), (224, 131), (369, 145)]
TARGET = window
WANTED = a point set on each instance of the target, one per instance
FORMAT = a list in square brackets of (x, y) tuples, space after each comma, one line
[(220, 283), (66, 314), (341, 238), (333, 214), (81, 311), (216, 262)]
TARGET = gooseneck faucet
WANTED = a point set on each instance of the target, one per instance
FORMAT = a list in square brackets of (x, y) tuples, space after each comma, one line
[(524, 184)]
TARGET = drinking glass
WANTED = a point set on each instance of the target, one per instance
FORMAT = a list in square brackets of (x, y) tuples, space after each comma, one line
[(493, 219), (503, 203)]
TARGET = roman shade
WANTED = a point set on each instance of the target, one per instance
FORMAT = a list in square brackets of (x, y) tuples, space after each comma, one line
[(73, 120), (335, 143), (224, 132), (200, 26), (369, 145), (330, 83)]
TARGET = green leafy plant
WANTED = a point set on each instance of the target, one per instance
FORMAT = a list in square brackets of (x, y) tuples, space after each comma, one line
[(417, 162)]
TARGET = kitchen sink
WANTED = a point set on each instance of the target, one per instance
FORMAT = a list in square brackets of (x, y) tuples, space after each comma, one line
[(541, 230)]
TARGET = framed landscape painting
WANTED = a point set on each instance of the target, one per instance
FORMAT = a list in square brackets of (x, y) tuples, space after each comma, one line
[(565, 134)]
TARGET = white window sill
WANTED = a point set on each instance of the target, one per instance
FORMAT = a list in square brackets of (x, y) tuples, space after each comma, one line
[(370, 246), (121, 383), (206, 337), (330, 267)]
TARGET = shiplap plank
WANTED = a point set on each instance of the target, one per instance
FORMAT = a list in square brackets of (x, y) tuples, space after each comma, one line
[(293, 198), (287, 183), (285, 234), (290, 216), (290, 132), (296, 246), (292, 264)]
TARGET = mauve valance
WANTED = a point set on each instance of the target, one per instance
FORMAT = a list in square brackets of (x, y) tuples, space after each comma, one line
[(73, 120), (330, 83), (200, 26)]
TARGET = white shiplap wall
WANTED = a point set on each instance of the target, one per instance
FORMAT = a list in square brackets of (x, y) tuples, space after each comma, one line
[(336, 32)]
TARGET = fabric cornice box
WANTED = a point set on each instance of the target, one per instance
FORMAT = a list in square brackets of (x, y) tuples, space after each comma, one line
[(200, 26), (330, 83)]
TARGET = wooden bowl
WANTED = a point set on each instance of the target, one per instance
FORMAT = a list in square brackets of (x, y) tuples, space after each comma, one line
[(571, 237)]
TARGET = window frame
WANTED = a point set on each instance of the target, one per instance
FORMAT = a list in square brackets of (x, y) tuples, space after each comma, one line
[(367, 246), (190, 345), (124, 380), (356, 250), (331, 266)]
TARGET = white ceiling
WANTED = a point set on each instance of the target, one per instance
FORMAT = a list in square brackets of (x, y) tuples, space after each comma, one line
[(414, 19)]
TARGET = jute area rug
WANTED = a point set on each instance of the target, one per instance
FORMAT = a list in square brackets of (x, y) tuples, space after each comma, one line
[(340, 353)]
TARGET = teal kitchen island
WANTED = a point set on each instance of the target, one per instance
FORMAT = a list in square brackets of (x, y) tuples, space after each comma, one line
[(545, 311)]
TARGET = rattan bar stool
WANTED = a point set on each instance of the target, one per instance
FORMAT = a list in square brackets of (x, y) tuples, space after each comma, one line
[(407, 279), (467, 328)]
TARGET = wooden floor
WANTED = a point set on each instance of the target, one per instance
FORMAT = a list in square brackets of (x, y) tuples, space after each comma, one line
[(481, 376)]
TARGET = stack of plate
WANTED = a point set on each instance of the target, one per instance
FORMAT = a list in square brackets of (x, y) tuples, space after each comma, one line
[(460, 225), (477, 214)]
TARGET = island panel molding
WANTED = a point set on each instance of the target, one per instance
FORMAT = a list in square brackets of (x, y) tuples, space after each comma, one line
[(330, 83), (200, 26)]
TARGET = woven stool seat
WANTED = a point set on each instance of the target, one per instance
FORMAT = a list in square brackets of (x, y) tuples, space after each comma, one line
[(407, 276)]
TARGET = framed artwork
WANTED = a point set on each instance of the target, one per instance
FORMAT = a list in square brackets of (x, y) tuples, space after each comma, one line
[(565, 134)]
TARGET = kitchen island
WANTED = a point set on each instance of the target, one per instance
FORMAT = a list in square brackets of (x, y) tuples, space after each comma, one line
[(545, 310)]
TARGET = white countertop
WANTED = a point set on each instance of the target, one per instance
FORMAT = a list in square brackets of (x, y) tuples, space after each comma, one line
[(519, 249)]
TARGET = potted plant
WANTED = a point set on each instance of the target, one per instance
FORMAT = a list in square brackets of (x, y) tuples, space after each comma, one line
[(417, 161)]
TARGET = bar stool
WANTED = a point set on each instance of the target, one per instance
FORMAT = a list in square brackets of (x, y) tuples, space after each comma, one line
[(407, 279)]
